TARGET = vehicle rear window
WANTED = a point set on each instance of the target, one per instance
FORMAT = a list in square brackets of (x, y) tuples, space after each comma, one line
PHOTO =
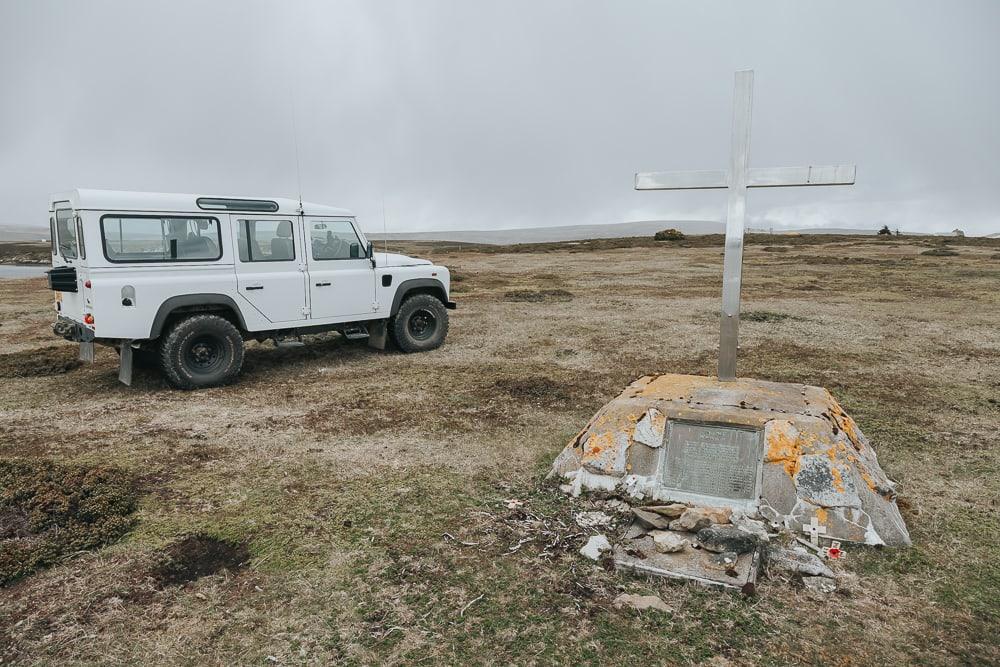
[(66, 231), (160, 238)]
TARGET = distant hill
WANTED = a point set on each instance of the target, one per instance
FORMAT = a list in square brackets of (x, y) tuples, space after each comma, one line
[(23, 233), (554, 234), (586, 232)]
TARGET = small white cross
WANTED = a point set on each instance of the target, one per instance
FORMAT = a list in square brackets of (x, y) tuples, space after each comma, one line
[(815, 530)]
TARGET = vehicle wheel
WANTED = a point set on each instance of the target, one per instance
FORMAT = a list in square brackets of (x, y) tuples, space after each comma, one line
[(420, 325), (201, 351), (144, 359)]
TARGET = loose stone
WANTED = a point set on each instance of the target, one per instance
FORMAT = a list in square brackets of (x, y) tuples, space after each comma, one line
[(667, 542), (756, 528), (694, 519), (595, 547), (724, 561), (800, 562), (822, 585), (651, 518), (727, 538), (640, 602), (593, 519), (670, 511)]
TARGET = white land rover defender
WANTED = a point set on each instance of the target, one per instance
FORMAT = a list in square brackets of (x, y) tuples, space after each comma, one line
[(180, 281)]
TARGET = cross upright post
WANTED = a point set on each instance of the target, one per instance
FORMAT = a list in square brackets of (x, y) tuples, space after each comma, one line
[(737, 179)]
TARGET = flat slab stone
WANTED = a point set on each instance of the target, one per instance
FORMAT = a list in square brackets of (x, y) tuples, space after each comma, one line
[(696, 565), (787, 452)]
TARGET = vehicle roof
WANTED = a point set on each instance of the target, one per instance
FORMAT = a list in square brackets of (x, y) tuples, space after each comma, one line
[(122, 200)]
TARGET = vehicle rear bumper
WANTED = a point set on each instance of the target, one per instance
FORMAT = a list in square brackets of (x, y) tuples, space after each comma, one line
[(72, 330)]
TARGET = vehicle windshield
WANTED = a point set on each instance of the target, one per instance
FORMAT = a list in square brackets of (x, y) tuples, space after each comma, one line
[(66, 233)]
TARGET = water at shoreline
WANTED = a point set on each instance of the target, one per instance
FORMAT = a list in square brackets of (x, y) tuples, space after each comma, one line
[(9, 271)]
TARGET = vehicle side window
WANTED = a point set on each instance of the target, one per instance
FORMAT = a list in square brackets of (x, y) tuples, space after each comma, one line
[(265, 240), (147, 238), (66, 230), (334, 239)]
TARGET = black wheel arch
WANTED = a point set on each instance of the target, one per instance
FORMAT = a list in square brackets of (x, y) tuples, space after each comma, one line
[(175, 306), (418, 286)]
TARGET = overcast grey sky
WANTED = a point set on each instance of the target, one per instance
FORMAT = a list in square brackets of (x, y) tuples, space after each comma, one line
[(465, 114)]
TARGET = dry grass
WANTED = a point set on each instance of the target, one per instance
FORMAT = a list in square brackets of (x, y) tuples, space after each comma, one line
[(369, 489)]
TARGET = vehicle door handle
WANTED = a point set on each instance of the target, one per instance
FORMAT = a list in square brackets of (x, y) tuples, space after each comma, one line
[(252, 287), (323, 284)]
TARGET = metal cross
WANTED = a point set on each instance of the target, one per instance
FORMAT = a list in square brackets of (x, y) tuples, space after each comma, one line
[(737, 179)]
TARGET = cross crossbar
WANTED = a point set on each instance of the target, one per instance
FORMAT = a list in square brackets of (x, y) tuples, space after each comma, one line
[(772, 177), (736, 180)]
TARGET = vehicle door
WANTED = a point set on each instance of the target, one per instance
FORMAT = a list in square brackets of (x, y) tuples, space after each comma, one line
[(341, 277), (270, 271)]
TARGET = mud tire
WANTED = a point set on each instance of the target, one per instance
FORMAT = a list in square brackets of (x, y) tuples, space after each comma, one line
[(201, 351), (420, 325)]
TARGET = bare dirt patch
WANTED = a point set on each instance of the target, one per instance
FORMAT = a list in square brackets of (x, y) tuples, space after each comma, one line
[(940, 252), (847, 259), (53, 360), (538, 296), (196, 556), (533, 389), (767, 316)]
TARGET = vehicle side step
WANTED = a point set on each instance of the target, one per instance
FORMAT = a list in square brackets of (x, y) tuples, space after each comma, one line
[(355, 333), (289, 342)]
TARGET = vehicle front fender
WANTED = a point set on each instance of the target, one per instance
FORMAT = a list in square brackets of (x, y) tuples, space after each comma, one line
[(418, 286)]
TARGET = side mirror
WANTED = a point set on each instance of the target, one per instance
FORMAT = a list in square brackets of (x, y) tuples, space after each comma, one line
[(355, 251), (370, 253)]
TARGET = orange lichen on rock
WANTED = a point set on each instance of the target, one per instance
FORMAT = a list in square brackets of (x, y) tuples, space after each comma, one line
[(672, 387), (597, 443), (838, 481), (868, 479), (783, 446), (659, 421), (845, 423)]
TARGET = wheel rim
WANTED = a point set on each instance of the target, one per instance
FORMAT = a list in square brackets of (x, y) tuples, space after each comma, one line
[(204, 354), (422, 324)]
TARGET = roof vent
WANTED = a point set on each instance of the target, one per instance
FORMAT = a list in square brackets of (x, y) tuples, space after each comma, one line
[(219, 204)]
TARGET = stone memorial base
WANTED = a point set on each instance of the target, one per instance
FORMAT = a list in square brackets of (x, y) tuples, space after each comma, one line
[(784, 453)]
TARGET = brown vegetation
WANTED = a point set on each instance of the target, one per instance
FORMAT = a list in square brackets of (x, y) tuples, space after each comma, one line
[(50, 511), (342, 505)]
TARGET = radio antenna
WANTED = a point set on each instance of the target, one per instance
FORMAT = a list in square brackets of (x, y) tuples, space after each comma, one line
[(295, 141), (385, 233)]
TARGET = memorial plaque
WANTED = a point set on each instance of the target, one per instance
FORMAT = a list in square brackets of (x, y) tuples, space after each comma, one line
[(711, 460)]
